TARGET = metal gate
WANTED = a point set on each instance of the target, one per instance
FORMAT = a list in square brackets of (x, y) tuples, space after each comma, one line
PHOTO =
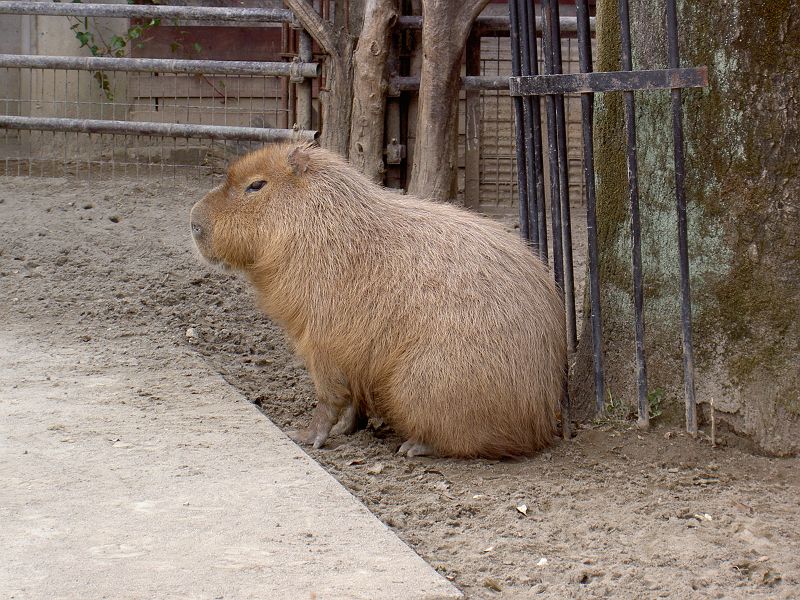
[(166, 106), (528, 86)]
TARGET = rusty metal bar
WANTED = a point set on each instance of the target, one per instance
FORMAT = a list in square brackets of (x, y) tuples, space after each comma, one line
[(521, 123), (214, 132), (148, 11), (469, 83), (587, 112), (493, 25), (683, 243), (636, 226), (609, 81), (158, 65)]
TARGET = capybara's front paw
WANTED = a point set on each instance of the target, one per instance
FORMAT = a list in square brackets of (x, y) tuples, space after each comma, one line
[(309, 437)]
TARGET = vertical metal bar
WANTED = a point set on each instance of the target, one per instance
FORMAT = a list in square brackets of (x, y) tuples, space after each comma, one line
[(304, 88), (587, 109), (549, 40), (552, 144), (538, 153), (683, 244), (472, 126), (566, 225), (527, 110), (519, 121), (633, 189)]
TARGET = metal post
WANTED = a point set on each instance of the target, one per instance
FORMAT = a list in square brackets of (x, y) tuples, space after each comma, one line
[(566, 225), (304, 110), (472, 126), (587, 109), (683, 244), (633, 190), (550, 38), (538, 153), (519, 122), (527, 113)]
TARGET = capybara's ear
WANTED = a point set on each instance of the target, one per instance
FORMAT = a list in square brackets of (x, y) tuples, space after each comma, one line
[(299, 159)]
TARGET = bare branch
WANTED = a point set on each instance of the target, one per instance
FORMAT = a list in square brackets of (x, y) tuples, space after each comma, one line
[(312, 22)]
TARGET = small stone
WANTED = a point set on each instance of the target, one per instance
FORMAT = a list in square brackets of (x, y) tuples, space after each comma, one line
[(114, 219), (191, 333)]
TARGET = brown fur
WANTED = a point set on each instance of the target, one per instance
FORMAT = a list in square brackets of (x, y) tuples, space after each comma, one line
[(429, 316)]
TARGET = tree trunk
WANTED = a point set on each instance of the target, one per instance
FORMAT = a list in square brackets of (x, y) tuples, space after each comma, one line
[(337, 100), (445, 27), (369, 88), (743, 192)]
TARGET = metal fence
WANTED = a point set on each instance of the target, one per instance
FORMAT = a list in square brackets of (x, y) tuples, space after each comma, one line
[(99, 116), (539, 108)]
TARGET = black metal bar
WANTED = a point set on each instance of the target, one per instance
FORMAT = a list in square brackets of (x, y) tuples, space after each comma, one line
[(633, 190), (519, 121), (158, 65), (563, 173), (538, 152), (148, 11), (548, 42), (214, 132), (683, 244), (527, 112), (587, 111), (609, 81)]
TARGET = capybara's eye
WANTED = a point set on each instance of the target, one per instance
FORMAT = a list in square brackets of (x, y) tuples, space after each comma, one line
[(255, 186)]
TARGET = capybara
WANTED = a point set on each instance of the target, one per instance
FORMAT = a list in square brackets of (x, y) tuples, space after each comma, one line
[(425, 315)]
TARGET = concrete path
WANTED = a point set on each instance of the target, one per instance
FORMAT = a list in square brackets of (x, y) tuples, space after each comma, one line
[(143, 475)]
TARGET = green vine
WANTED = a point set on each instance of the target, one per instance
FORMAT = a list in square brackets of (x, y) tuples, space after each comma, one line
[(90, 36)]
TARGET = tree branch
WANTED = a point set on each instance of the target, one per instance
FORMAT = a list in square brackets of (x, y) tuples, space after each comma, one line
[(312, 22)]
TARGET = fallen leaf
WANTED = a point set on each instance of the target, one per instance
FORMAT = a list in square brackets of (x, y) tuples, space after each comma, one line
[(488, 549), (492, 584)]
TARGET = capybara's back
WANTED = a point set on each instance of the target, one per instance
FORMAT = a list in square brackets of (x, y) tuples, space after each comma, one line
[(430, 317)]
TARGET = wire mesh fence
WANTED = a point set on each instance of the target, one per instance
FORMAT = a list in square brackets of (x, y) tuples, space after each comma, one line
[(498, 179), (217, 100), (177, 98)]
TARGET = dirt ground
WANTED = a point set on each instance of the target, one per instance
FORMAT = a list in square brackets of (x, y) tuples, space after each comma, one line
[(612, 513)]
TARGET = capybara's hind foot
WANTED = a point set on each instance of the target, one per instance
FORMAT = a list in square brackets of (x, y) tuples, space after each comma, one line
[(414, 448)]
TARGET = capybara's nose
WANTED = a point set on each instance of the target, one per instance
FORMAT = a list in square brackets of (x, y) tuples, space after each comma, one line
[(197, 230)]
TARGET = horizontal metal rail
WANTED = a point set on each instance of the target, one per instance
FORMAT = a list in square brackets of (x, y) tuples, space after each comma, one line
[(497, 24), (214, 132), (610, 81), (147, 11), (471, 82), (158, 65)]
